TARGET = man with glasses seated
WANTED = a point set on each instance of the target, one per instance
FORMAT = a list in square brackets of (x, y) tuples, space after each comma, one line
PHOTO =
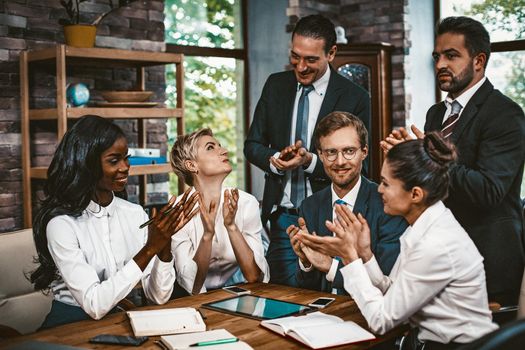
[(341, 140)]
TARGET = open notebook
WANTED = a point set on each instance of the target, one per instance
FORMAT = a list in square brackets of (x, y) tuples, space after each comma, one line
[(319, 330), (166, 321), (183, 341)]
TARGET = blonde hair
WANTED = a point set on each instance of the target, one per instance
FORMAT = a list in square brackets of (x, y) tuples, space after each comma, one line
[(185, 148)]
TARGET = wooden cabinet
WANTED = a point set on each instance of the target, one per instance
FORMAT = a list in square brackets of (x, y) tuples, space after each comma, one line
[(369, 65), (63, 56)]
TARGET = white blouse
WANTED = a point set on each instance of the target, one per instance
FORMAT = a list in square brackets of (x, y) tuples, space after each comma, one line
[(94, 256), (223, 268), (437, 283)]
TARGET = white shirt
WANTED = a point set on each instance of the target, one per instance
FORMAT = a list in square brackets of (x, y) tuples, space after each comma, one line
[(437, 283), (462, 99), (94, 256), (223, 264), (315, 100)]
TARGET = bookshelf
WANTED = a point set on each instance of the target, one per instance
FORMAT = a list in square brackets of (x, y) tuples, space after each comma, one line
[(60, 58)]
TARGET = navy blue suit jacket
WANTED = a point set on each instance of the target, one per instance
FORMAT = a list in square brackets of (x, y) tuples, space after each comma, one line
[(384, 230), (272, 121)]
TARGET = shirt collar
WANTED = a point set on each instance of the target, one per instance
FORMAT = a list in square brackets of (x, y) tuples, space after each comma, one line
[(98, 211), (466, 96), (414, 232), (321, 84), (350, 198)]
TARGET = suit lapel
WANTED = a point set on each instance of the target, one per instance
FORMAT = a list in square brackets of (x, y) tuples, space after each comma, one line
[(437, 120), (333, 91), (471, 109), (325, 211), (291, 91), (361, 202)]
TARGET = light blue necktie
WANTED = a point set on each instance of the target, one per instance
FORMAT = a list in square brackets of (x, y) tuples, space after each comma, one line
[(298, 192)]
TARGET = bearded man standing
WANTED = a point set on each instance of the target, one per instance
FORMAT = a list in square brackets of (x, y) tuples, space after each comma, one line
[(488, 129)]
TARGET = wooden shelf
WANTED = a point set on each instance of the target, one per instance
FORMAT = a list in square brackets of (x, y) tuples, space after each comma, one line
[(111, 113), (40, 172), (111, 57)]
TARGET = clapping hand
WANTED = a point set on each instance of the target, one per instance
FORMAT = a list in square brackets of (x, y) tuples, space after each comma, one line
[(308, 256), (229, 207), (292, 157), (342, 244), (208, 217), (172, 218), (399, 136), (357, 225)]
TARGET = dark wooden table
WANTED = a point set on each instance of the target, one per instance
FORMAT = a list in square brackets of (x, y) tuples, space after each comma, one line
[(77, 334)]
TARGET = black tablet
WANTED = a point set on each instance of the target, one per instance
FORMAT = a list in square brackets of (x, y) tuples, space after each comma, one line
[(256, 307)]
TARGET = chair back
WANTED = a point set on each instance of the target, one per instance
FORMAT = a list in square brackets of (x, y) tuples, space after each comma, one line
[(21, 307), (510, 336)]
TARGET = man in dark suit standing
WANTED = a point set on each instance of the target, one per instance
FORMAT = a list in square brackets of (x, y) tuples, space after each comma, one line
[(278, 142), (341, 141), (488, 130)]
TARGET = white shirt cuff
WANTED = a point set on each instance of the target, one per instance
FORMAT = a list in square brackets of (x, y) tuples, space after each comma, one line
[(330, 276), (274, 169), (132, 272), (303, 268), (374, 271), (311, 167), (162, 267)]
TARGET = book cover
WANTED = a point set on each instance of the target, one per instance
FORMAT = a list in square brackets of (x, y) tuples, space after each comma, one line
[(147, 160)]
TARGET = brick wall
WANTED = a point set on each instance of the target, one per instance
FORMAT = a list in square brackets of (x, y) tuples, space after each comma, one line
[(29, 24), (368, 21)]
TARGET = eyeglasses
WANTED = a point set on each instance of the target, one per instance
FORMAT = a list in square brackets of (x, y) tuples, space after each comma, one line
[(331, 153)]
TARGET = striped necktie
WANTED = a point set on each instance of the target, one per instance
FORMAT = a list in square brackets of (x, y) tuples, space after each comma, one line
[(298, 191), (448, 126)]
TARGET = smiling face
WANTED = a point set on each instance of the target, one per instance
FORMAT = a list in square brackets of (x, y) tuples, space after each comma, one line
[(456, 70), (396, 200), (344, 173), (211, 158), (115, 170), (309, 59)]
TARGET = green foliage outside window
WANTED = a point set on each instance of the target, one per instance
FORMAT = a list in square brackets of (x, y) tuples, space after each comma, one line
[(212, 84)]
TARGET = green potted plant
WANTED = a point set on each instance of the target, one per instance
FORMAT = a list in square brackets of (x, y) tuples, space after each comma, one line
[(81, 34)]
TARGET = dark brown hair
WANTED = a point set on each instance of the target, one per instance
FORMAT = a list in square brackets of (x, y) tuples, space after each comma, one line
[(424, 163), (477, 39), (316, 27)]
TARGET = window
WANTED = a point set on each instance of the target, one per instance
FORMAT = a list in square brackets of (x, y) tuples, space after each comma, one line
[(505, 21), (211, 36)]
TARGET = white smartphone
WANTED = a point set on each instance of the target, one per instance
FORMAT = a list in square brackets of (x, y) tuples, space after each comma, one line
[(236, 290), (321, 302)]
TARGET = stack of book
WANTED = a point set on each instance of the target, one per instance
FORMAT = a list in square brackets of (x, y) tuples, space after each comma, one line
[(145, 156)]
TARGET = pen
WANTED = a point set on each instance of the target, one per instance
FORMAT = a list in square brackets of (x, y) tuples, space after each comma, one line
[(215, 342), (151, 220)]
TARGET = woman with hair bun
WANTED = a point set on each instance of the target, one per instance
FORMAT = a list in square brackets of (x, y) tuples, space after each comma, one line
[(438, 280)]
